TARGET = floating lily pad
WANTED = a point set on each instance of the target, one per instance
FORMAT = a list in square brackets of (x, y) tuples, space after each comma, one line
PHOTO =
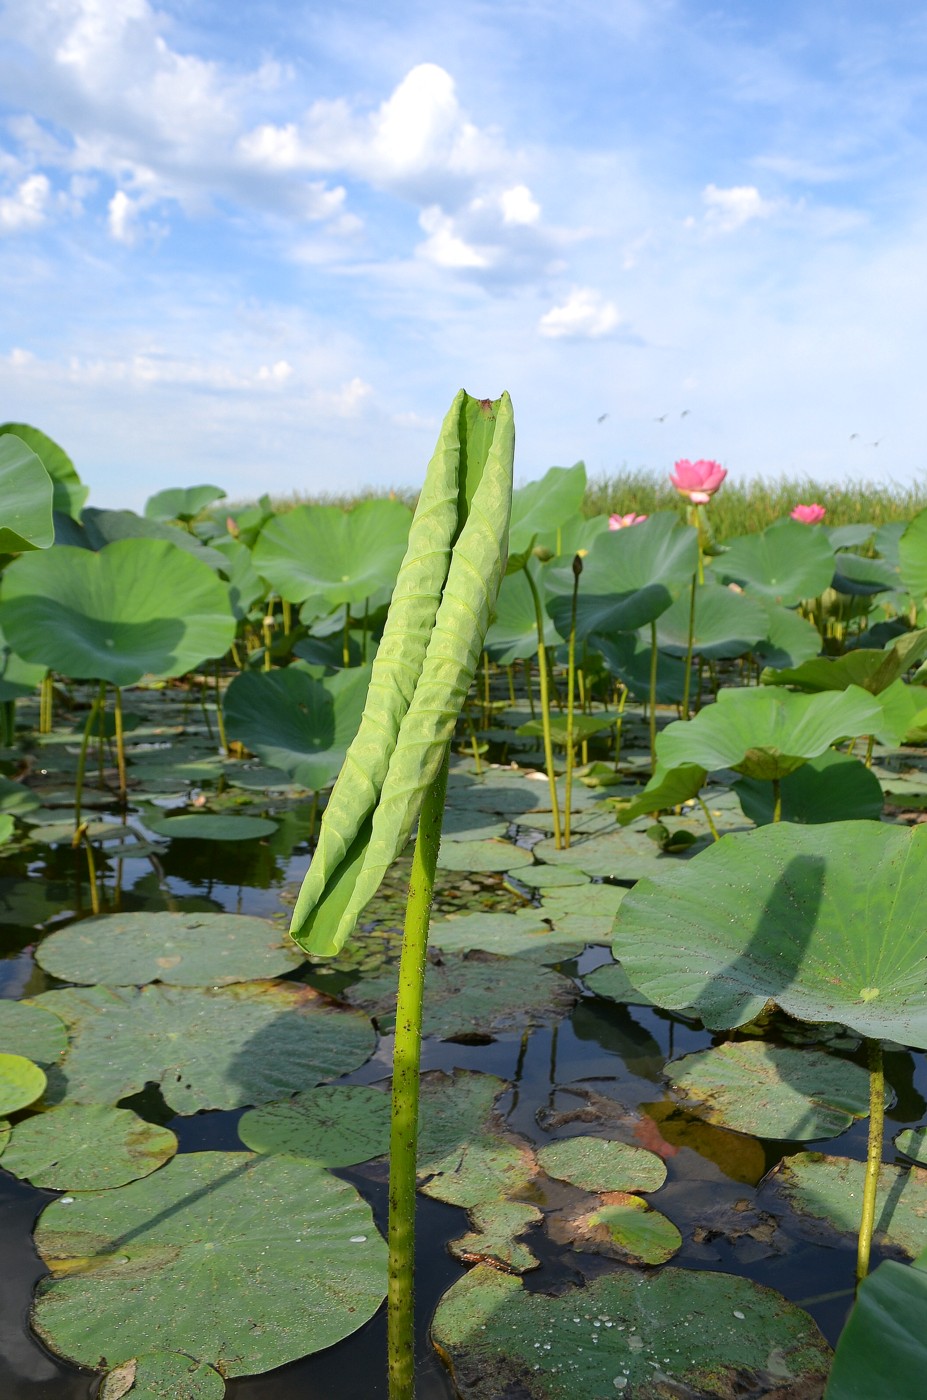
[(546, 877), (245, 1262), (628, 1226), (825, 920), (830, 1189), (162, 1375), (618, 855), (913, 1143), (21, 1083), (197, 826), (508, 935), (335, 1125), (599, 1164), (478, 1172), (206, 1048), (461, 825), (483, 856), (90, 1148), (28, 1030), (648, 1332), (613, 983), (453, 1109), (5, 1131), (183, 950), (472, 996), (496, 1227), (774, 1091)]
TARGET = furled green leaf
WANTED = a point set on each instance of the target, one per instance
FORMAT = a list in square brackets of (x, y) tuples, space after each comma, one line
[(428, 654), (295, 722), (137, 607), (647, 1331), (25, 498), (182, 502), (70, 493), (785, 563), (824, 920), (87, 1148), (183, 950), (243, 1261), (766, 733)]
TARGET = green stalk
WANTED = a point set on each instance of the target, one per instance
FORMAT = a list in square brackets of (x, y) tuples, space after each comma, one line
[(777, 799), (220, 718), (687, 680), (364, 634), (571, 681), (120, 747), (95, 709), (873, 1156), (528, 685), (346, 642), (510, 672), (704, 806), (653, 695), (287, 617), (46, 704), (267, 631), (545, 711), (407, 1043), (869, 746), (619, 721)]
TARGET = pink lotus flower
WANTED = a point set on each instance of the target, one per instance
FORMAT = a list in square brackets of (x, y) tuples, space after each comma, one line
[(698, 480), (621, 522), (809, 515)]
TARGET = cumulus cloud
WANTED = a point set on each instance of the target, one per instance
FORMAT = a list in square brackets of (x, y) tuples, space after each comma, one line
[(729, 209), (123, 213), (27, 206), (585, 315)]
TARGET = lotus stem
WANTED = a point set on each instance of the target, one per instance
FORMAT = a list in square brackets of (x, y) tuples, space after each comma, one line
[(510, 673), (487, 698), (687, 679), (220, 718), (120, 747), (869, 747), (571, 684), (545, 712), (95, 709), (364, 632), (287, 616), (704, 806), (618, 723), (346, 641), (46, 704), (267, 631), (80, 838), (407, 1044), (777, 799), (528, 686), (873, 1155), (653, 696)]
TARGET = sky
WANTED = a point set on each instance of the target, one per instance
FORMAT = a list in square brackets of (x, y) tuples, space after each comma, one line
[(263, 246)]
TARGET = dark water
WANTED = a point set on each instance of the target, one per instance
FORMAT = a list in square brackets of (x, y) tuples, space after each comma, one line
[(615, 1052)]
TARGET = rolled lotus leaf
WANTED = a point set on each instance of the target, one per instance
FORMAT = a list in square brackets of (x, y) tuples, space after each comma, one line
[(429, 651)]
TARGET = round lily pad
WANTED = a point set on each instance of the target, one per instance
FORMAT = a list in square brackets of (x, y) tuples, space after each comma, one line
[(245, 1262), (830, 1189), (913, 1143), (336, 1125), (21, 1083), (472, 996), (207, 1048), (647, 1333), (28, 1030), (206, 826), (162, 1375), (546, 877), (524, 934), (453, 1108), (598, 1164), (478, 1172), (617, 855), (484, 856), (89, 1148), (184, 950), (5, 1132), (624, 1226), (774, 1091)]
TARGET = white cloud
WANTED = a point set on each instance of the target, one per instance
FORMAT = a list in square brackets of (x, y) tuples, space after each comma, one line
[(730, 209), (123, 213), (277, 373), (444, 246), (345, 402), (26, 208), (585, 315), (519, 206)]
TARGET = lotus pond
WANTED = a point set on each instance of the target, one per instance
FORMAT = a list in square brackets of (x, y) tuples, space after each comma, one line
[(675, 970)]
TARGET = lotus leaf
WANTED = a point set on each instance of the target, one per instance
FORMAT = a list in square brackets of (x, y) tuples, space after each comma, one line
[(540, 508), (246, 1262), (245, 586), (162, 1375), (641, 1233), (205, 826), (774, 1091), (245, 1044), (785, 563), (913, 1143), (598, 1164), (833, 787), (912, 555), (182, 502), (26, 491), (618, 855), (860, 576), (872, 670), (669, 787), (461, 825), (479, 1171), (27, 1030), (824, 920), (886, 1328), (496, 1227), (103, 527), (628, 658), (508, 935), (21, 1083), (426, 660), (69, 491), (138, 607), (454, 1109), (183, 950), (647, 1332), (829, 1190), (612, 982), (766, 734), (629, 577), (335, 1125), (726, 623), (483, 855), (790, 639), (18, 678), (548, 877), (513, 633), (87, 1148), (326, 553), (467, 997)]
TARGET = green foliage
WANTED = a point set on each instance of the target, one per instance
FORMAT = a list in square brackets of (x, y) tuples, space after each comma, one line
[(182, 502), (328, 556), (885, 1334), (785, 563), (26, 493), (69, 492)]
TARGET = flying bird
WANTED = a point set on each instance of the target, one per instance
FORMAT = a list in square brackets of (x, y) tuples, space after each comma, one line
[(663, 419), (601, 418)]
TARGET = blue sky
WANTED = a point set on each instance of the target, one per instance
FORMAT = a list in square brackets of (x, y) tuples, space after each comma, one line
[(265, 245)]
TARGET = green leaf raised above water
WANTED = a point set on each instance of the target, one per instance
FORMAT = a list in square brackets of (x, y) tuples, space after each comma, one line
[(25, 498), (69, 491)]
